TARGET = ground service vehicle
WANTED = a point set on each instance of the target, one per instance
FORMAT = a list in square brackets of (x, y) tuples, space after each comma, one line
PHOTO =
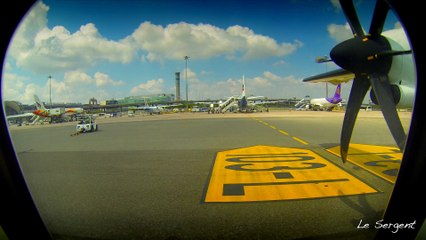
[(87, 124)]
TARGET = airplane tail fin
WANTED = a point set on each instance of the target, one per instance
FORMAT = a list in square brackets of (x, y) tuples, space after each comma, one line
[(243, 94), (39, 104), (338, 91), (243, 101), (146, 102)]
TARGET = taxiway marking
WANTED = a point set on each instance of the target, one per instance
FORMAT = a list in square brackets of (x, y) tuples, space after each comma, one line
[(382, 161), (267, 173), (300, 140), (282, 131)]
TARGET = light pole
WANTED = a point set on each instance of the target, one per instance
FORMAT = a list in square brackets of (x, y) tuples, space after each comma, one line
[(186, 81), (326, 83), (324, 60), (50, 90)]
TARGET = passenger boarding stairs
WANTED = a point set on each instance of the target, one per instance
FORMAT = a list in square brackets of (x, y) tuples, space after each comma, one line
[(301, 104), (227, 104)]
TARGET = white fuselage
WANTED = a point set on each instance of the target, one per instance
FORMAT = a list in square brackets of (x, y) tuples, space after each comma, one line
[(321, 103)]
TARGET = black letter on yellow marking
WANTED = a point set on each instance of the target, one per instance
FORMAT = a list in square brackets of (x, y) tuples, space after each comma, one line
[(376, 163), (282, 175), (379, 163), (249, 160), (237, 189), (270, 157), (239, 167), (299, 158), (390, 172)]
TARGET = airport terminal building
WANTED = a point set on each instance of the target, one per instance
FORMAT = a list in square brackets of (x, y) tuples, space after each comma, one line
[(148, 99)]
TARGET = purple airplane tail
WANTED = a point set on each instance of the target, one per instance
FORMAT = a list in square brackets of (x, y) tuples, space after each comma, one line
[(338, 91), (336, 98)]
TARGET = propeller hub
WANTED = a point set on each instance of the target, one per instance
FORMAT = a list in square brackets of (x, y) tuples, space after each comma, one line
[(363, 55)]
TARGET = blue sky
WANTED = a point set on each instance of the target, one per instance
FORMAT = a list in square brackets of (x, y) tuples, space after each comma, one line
[(114, 49)]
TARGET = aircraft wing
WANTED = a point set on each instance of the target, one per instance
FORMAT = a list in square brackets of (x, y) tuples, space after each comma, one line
[(254, 98), (170, 106), (335, 77), (262, 102), (24, 115)]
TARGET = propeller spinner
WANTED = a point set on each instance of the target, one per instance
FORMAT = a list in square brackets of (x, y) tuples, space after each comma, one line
[(369, 57)]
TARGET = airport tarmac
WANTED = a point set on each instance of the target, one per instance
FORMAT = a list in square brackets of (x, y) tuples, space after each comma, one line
[(273, 175)]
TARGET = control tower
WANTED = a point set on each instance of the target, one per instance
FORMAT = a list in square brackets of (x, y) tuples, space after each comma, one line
[(177, 76)]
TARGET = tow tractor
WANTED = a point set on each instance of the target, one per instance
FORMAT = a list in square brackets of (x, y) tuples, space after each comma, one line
[(87, 124)]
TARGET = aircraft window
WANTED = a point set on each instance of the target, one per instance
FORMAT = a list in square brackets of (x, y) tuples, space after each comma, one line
[(176, 120)]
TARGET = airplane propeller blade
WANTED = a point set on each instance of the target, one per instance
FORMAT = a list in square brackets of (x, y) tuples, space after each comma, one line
[(392, 53), (370, 59), (350, 13), (383, 92), (359, 88), (379, 17)]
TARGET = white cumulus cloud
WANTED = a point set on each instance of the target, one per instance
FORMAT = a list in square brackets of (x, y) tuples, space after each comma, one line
[(44, 50), (102, 79), (336, 5), (77, 77), (204, 41), (40, 49), (339, 33), (150, 87)]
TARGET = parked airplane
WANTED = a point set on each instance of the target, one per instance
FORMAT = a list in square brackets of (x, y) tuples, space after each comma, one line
[(242, 103), (41, 113), (157, 109), (323, 103), (382, 60), (55, 114), (149, 109)]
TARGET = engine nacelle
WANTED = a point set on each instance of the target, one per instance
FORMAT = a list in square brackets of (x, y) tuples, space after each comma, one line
[(402, 95)]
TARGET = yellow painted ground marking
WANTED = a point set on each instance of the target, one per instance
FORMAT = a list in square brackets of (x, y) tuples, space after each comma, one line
[(380, 160), (266, 173), (283, 132), (300, 140)]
